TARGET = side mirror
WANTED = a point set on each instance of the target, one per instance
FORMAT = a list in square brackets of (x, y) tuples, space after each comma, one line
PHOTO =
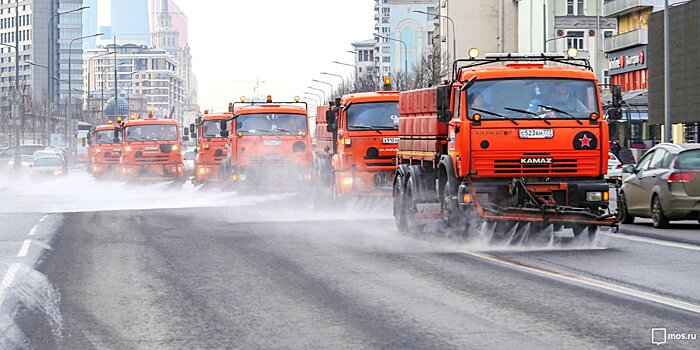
[(186, 132), (330, 117), (185, 138), (614, 113), (629, 169), (443, 104), (193, 130), (116, 135), (223, 125), (224, 133)]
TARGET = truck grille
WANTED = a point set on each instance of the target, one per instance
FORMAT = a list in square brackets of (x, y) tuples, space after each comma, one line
[(151, 158), (562, 164)]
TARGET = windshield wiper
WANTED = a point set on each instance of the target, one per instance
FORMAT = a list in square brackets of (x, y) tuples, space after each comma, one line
[(494, 114), (365, 128), (528, 112), (283, 130), (561, 112)]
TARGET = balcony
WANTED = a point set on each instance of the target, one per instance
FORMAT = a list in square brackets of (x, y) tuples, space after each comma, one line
[(625, 40), (617, 8)]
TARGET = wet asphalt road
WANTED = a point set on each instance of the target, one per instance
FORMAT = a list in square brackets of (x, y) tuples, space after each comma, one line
[(240, 278)]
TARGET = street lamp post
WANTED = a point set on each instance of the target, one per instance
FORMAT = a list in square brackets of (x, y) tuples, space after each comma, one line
[(317, 89), (89, 91), (327, 83), (49, 72), (350, 65), (342, 80), (69, 117), (552, 39), (405, 51), (667, 76), (314, 94), (454, 31)]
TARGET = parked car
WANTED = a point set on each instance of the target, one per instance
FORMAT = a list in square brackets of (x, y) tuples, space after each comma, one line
[(48, 166), (51, 152), (663, 186), (614, 167), (9, 153), (27, 161)]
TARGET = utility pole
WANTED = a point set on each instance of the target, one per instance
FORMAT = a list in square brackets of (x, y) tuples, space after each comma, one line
[(17, 103), (667, 76)]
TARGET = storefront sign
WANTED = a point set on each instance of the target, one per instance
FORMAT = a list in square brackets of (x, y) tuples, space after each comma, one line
[(627, 60)]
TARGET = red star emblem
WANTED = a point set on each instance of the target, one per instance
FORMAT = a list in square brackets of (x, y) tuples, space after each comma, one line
[(585, 141)]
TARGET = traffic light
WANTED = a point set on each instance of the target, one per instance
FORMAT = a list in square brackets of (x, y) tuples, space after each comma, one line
[(387, 83)]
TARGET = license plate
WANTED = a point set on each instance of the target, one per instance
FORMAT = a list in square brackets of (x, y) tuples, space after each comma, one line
[(389, 140), (536, 134), (150, 149), (272, 143)]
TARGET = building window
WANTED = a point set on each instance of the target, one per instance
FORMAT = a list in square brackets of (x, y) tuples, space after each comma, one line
[(575, 38), (385, 11), (386, 59), (575, 7)]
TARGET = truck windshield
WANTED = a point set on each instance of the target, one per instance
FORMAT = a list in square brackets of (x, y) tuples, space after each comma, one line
[(211, 128), (531, 98), (272, 124), (154, 132), (106, 136), (376, 115)]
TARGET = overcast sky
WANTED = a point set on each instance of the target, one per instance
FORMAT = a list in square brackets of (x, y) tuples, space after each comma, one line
[(283, 42)]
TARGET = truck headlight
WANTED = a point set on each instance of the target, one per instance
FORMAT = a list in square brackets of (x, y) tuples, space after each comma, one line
[(594, 196)]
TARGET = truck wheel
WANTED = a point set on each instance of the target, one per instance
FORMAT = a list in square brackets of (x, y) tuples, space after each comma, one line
[(622, 208), (414, 226), (658, 218), (454, 219), (399, 204)]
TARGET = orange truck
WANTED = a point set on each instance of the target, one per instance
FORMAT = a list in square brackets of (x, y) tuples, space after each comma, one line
[(513, 139), (356, 144), (270, 146), (151, 150), (211, 147), (104, 150)]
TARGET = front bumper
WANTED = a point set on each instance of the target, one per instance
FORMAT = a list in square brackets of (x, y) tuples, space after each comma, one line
[(153, 172)]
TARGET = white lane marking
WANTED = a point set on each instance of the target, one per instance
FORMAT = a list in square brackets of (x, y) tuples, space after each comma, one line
[(34, 229), (25, 249), (7, 281), (653, 241), (43, 218), (590, 282)]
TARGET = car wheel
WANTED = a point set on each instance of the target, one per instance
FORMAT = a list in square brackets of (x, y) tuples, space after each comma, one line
[(657, 214), (622, 207)]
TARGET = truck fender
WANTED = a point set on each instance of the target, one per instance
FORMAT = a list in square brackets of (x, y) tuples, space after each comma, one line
[(447, 166), (402, 171), (424, 188)]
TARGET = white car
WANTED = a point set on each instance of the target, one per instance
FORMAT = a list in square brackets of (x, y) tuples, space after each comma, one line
[(614, 167), (27, 161)]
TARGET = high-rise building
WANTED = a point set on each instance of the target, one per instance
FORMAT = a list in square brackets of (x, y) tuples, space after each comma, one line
[(90, 23), (130, 21), (167, 36), (146, 78), (410, 34), (178, 19)]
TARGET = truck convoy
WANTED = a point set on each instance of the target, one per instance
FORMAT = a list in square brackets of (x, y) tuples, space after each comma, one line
[(356, 144), (514, 138), (151, 149), (104, 151), (211, 147), (270, 145)]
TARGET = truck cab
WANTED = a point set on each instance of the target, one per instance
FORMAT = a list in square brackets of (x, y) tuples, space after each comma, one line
[(212, 148), (355, 154), (151, 149), (270, 146), (104, 150)]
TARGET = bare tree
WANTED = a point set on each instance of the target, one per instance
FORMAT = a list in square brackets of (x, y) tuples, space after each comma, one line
[(430, 70)]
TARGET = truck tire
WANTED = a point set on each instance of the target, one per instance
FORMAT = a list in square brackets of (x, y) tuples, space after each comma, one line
[(412, 196), (399, 203)]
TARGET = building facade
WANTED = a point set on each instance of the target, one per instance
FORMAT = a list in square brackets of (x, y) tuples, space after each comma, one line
[(684, 67), (366, 63), (90, 23), (145, 77), (396, 19), (167, 36), (130, 21)]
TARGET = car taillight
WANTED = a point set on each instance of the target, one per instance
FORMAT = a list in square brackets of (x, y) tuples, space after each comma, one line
[(682, 177), (619, 166)]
